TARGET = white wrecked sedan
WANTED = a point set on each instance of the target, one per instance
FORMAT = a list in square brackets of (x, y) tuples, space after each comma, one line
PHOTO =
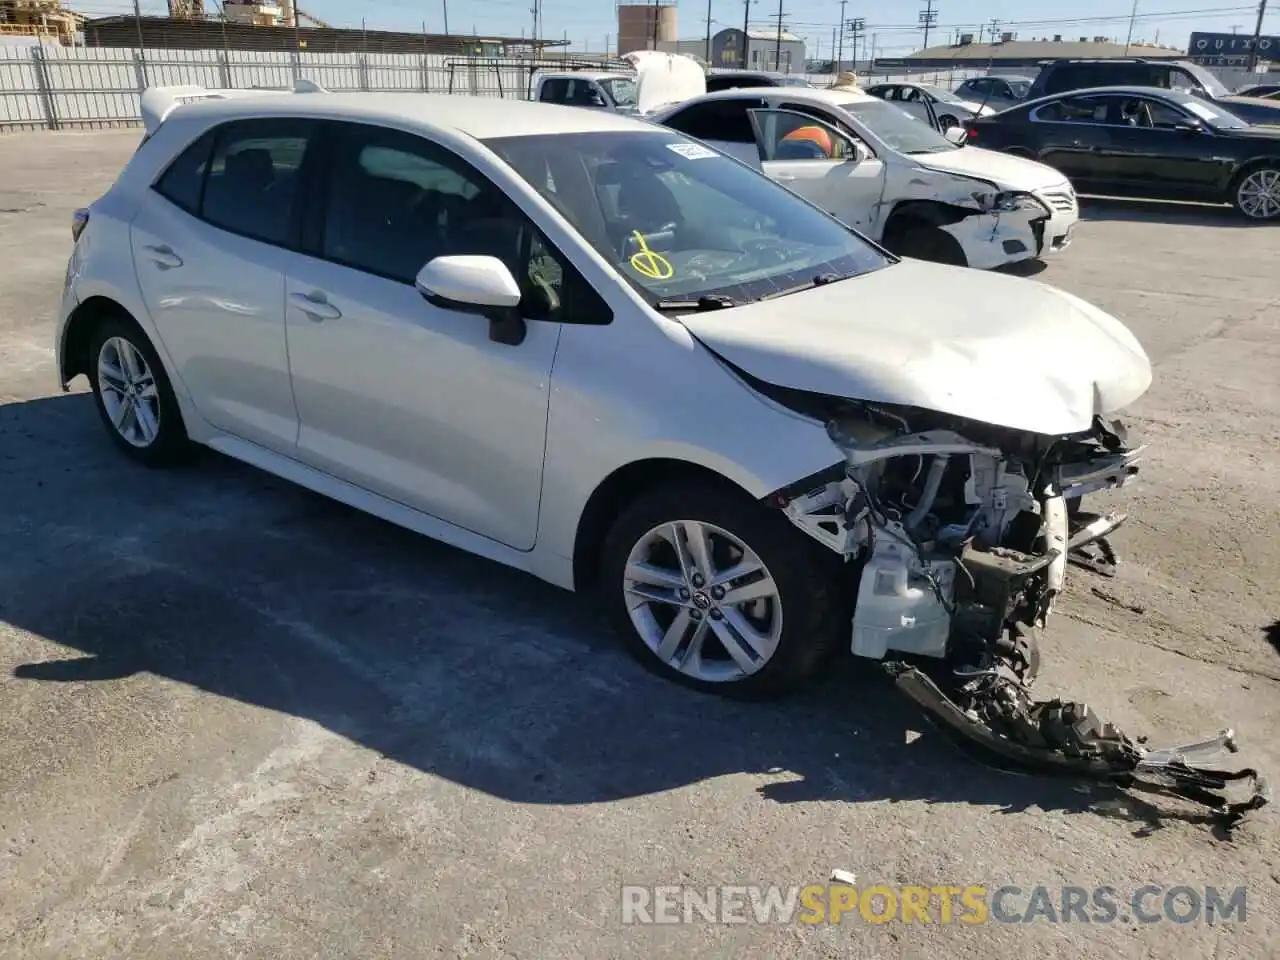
[(593, 349), (891, 176)]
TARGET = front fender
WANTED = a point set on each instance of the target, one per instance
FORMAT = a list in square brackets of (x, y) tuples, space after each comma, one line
[(609, 411)]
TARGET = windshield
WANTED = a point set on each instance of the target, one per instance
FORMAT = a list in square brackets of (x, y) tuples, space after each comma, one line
[(899, 129), (1212, 85), (680, 221), (621, 89)]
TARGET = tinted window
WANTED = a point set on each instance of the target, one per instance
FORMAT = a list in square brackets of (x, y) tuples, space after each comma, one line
[(1075, 110), (1144, 112), (395, 201), (253, 177), (556, 91), (725, 120), (678, 220), (182, 182), (1073, 77)]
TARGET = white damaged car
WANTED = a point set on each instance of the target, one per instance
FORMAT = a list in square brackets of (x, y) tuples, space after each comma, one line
[(891, 176), (591, 348)]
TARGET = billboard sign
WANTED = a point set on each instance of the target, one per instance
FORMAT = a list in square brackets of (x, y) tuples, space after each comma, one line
[(1235, 46)]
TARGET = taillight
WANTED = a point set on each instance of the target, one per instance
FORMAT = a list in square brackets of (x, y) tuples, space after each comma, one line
[(971, 132), (79, 220)]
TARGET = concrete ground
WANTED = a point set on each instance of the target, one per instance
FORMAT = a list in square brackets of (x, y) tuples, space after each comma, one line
[(238, 720)]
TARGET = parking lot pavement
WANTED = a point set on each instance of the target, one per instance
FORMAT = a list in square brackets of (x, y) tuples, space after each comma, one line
[(239, 720)]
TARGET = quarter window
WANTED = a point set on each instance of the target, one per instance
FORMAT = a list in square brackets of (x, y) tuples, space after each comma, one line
[(182, 182)]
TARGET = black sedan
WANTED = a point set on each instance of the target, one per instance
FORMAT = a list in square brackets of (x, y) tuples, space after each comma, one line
[(1144, 142)]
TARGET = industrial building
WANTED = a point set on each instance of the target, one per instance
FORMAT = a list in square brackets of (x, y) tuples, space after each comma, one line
[(44, 20), (203, 34), (1009, 51), (770, 50)]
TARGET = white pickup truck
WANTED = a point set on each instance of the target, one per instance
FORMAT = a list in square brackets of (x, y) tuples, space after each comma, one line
[(599, 91)]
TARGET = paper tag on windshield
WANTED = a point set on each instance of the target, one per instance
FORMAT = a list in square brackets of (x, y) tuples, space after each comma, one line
[(691, 151)]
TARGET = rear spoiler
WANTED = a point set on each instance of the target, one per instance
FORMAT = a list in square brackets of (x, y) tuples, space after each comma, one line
[(159, 102)]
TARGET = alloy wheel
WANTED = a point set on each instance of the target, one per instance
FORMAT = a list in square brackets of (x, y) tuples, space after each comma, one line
[(703, 602), (1259, 194), (128, 390)]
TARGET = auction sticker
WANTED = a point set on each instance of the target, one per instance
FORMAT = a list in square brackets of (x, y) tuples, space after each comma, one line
[(691, 151)]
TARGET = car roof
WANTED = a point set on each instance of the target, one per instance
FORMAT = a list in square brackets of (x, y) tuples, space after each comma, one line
[(1001, 76), (583, 74), (814, 94), (478, 117)]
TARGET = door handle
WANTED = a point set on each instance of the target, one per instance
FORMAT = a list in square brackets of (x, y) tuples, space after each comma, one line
[(785, 177), (164, 257), (315, 306)]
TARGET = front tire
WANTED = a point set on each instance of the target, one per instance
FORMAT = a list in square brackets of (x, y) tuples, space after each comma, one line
[(1256, 192), (719, 593), (133, 394)]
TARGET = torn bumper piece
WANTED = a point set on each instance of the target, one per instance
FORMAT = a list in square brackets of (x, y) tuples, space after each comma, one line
[(993, 710)]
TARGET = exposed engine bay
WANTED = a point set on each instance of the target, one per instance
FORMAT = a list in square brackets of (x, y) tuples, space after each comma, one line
[(958, 536)]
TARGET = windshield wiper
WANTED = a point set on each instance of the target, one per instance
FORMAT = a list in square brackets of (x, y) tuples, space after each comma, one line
[(710, 301), (821, 280)]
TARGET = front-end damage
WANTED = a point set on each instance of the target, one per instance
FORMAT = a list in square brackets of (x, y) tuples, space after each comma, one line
[(958, 535)]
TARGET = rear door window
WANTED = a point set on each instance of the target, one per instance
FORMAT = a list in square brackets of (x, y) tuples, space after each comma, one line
[(554, 91), (253, 177), (723, 120)]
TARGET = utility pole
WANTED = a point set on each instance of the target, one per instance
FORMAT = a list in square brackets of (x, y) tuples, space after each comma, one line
[(445, 5), (708, 56), (656, 8), (777, 47), (856, 26), (928, 17), (1257, 36), (995, 26), (746, 19), (1133, 16), (840, 51)]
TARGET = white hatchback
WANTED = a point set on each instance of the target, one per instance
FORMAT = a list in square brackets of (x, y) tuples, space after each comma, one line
[(593, 349)]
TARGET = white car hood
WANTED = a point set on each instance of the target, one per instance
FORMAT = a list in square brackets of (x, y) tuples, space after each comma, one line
[(985, 346), (1007, 172), (665, 78)]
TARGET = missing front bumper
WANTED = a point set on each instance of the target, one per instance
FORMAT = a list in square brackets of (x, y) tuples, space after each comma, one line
[(993, 711)]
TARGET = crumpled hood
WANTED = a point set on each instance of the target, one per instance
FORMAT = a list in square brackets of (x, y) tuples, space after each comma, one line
[(1007, 172), (986, 346)]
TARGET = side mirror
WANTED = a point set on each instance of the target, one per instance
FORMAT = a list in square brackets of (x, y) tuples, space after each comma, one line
[(957, 135), (860, 153), (1189, 126), (481, 285)]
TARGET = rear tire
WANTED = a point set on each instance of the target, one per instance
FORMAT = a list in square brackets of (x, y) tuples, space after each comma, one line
[(690, 630), (927, 242), (1256, 192), (133, 394)]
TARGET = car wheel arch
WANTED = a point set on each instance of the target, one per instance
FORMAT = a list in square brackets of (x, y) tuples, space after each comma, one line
[(622, 487), (78, 334), (907, 214)]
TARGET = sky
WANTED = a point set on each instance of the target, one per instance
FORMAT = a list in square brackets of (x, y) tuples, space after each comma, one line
[(894, 23)]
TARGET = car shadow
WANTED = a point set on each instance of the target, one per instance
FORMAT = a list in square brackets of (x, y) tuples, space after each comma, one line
[(1024, 268), (225, 579), (1273, 635), (1129, 210)]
